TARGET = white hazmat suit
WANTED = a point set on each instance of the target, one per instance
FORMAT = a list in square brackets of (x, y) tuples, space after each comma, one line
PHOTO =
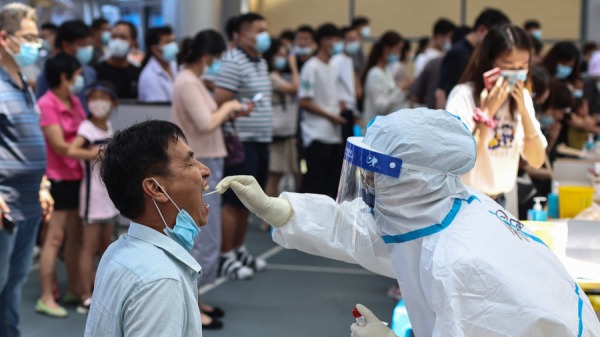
[(466, 267)]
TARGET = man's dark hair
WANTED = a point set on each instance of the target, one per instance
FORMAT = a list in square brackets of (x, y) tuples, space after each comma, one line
[(132, 28), (132, 155), (61, 63), (98, 23), (443, 27), (153, 36), (287, 34), (326, 30), (532, 24), (50, 26), (231, 26), (589, 47), (491, 18), (360, 21), (306, 29), (247, 19), (71, 31), (345, 30)]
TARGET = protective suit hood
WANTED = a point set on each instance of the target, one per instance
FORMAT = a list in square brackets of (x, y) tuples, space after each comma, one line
[(436, 147)]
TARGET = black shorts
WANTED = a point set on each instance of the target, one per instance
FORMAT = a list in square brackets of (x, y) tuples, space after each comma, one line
[(256, 164), (65, 194)]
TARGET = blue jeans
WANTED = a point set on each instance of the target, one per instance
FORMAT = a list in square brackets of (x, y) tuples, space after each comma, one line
[(16, 251)]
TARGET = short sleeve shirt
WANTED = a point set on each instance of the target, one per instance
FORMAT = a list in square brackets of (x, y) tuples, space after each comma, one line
[(248, 76), (22, 150), (95, 204), (318, 81), (54, 112)]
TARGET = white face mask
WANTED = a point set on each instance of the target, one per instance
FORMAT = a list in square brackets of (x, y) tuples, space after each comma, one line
[(118, 47), (100, 108)]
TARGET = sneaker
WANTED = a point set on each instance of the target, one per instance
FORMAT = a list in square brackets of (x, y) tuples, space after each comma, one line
[(84, 307), (233, 269), (250, 261), (59, 312)]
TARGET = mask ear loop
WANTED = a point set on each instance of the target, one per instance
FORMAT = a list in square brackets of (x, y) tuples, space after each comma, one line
[(167, 194), (158, 209)]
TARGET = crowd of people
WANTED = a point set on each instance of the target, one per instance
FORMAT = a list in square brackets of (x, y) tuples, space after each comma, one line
[(254, 104)]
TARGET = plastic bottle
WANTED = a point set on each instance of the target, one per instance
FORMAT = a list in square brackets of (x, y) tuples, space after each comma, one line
[(360, 320), (589, 145), (553, 202), (537, 213)]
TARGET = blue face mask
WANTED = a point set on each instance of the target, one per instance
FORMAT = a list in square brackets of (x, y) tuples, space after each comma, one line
[(365, 31), (577, 93), (563, 71), (447, 45), (27, 55), (214, 68), (353, 48), (280, 63), (118, 48), (393, 58), (263, 42), (105, 37), (185, 230), (337, 48), (537, 34), (546, 121), (46, 46), (169, 51), (85, 54), (512, 76), (78, 85), (302, 51)]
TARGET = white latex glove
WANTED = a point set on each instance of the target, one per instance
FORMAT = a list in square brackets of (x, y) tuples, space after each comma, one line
[(374, 327), (273, 211)]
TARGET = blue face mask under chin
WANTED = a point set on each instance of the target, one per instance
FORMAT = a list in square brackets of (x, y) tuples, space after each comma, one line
[(185, 230)]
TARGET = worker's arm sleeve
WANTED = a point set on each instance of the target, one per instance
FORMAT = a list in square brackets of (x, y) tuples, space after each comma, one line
[(310, 230)]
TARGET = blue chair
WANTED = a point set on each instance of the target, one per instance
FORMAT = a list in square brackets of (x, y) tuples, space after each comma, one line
[(400, 323)]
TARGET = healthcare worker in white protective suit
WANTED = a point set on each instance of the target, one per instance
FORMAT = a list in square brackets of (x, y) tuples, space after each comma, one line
[(466, 267)]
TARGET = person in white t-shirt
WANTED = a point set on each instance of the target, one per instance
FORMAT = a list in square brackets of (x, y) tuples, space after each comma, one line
[(321, 120), (502, 118), (439, 44), (95, 207), (348, 85)]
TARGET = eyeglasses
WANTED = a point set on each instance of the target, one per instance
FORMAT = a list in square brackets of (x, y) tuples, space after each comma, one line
[(30, 38)]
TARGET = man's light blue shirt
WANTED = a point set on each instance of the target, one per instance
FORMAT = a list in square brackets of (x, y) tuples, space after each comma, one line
[(155, 84), (145, 286)]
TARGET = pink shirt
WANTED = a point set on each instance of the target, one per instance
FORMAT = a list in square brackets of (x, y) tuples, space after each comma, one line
[(54, 112), (192, 109), (94, 202)]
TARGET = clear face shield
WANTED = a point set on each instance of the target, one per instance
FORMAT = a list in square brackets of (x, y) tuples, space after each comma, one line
[(355, 226)]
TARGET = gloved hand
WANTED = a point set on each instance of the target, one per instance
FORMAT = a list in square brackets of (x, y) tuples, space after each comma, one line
[(374, 327), (273, 211)]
